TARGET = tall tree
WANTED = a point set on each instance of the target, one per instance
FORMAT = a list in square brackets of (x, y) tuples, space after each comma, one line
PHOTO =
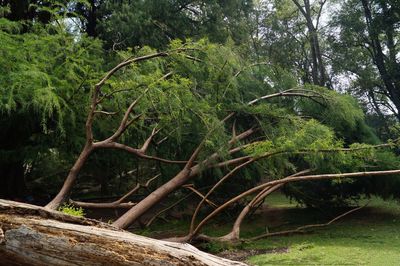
[(292, 36), (369, 29), (312, 14)]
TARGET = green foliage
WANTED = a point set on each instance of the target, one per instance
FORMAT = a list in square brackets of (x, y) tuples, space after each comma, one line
[(45, 77), (310, 135), (55, 66), (123, 24), (70, 209), (342, 113), (341, 192)]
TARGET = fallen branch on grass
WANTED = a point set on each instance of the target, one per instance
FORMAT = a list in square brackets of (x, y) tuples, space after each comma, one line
[(302, 229)]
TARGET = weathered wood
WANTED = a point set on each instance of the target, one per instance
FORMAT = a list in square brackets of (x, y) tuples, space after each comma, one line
[(32, 235)]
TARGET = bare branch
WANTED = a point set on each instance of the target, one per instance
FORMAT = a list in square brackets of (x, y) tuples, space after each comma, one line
[(166, 209), (105, 113), (193, 58), (138, 186), (302, 228), (137, 152), (242, 135), (117, 203), (124, 122), (240, 72), (108, 95), (146, 144), (235, 199), (294, 179), (308, 151), (322, 3), (331, 176), (233, 171), (161, 141), (234, 130), (290, 93), (126, 63), (103, 205), (231, 162), (190, 187)]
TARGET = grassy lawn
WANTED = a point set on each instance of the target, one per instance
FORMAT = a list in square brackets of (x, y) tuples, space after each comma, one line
[(370, 236)]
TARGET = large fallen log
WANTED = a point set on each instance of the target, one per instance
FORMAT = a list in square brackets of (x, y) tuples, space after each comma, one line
[(32, 235)]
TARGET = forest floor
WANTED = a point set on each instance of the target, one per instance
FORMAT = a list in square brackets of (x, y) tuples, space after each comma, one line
[(370, 236)]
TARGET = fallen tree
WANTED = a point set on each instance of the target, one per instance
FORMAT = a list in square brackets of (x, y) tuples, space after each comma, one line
[(32, 235), (310, 142), (249, 134)]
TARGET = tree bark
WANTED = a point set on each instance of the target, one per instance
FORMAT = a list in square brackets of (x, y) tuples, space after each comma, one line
[(147, 203), (318, 68), (64, 193), (32, 235)]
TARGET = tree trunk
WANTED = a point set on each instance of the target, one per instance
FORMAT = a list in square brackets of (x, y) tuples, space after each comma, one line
[(390, 81), (317, 69), (64, 193), (32, 235), (151, 200), (91, 19)]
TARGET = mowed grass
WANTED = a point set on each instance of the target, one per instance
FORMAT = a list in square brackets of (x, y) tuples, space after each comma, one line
[(370, 236)]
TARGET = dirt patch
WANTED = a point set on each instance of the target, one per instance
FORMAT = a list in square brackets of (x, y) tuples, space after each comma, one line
[(241, 255)]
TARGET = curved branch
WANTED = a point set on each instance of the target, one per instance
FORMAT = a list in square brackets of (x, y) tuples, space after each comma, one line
[(149, 222), (126, 63), (290, 93), (237, 168), (302, 228), (105, 113)]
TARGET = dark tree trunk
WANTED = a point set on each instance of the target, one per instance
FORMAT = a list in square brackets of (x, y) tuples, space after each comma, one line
[(19, 10), (318, 72), (387, 70), (92, 19)]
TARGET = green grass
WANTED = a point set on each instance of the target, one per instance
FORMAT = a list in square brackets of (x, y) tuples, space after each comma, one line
[(369, 237)]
